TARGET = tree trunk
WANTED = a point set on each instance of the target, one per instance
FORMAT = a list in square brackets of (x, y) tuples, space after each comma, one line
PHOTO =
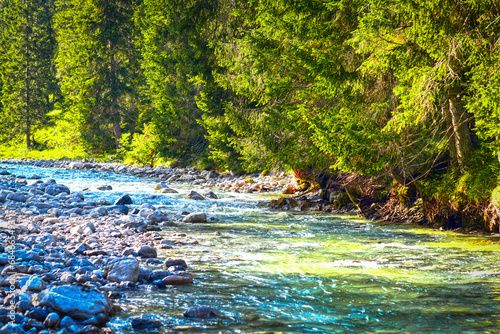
[(27, 79), (115, 112), (459, 136)]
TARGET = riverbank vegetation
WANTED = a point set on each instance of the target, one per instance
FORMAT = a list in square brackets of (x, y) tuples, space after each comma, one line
[(395, 103)]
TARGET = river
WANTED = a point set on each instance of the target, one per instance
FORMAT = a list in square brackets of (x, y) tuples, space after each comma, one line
[(273, 272)]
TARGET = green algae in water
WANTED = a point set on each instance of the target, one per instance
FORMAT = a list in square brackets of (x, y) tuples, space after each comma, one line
[(328, 274)]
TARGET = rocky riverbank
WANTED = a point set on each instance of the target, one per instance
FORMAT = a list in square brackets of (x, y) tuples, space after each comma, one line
[(72, 257), (70, 249)]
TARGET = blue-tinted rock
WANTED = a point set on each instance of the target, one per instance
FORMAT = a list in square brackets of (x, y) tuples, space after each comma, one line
[(52, 320), (145, 322), (147, 252), (11, 328), (123, 269), (80, 302), (38, 313), (124, 200), (79, 263), (121, 208), (67, 322), (202, 312)]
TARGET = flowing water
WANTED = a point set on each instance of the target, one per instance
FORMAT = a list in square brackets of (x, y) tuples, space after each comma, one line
[(274, 272)]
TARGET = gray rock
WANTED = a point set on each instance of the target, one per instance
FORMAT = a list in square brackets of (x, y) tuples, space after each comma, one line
[(123, 209), (105, 187), (67, 277), (34, 283), (174, 263), (211, 195), (159, 274), (157, 216), (81, 248), (81, 302), (146, 212), (144, 323), (99, 212), (123, 269), (147, 206), (52, 320), (23, 255), (147, 252), (202, 312), (194, 195), (144, 274), (47, 240), (67, 322), (56, 189), (196, 217), (124, 200), (11, 328), (17, 197)]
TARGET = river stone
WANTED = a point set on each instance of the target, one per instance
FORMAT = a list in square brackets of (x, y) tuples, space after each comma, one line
[(123, 269), (17, 197), (157, 216), (75, 165), (211, 195), (167, 190), (56, 189), (144, 323), (67, 322), (105, 187), (11, 328), (80, 302), (147, 206), (47, 240), (146, 212), (124, 200), (194, 195), (52, 320), (174, 263), (196, 217), (34, 283), (147, 252), (202, 312), (123, 209), (23, 255), (99, 212)]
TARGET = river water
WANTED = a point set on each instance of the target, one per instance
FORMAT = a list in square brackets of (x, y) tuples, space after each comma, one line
[(282, 272)]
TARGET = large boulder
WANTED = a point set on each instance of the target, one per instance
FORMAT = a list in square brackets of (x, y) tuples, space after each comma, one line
[(79, 302), (196, 217), (123, 269)]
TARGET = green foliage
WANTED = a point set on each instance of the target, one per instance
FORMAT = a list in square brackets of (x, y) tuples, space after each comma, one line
[(476, 185), (27, 73), (144, 148), (97, 61)]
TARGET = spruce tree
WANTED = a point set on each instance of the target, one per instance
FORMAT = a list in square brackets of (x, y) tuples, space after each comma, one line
[(97, 63), (28, 84)]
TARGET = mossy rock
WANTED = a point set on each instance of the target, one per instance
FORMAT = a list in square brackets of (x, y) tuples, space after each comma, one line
[(248, 180)]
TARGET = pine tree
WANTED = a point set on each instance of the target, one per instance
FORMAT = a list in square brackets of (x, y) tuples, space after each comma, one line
[(97, 62), (28, 84)]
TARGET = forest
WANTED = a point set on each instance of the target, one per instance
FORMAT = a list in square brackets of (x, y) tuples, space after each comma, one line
[(397, 102)]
